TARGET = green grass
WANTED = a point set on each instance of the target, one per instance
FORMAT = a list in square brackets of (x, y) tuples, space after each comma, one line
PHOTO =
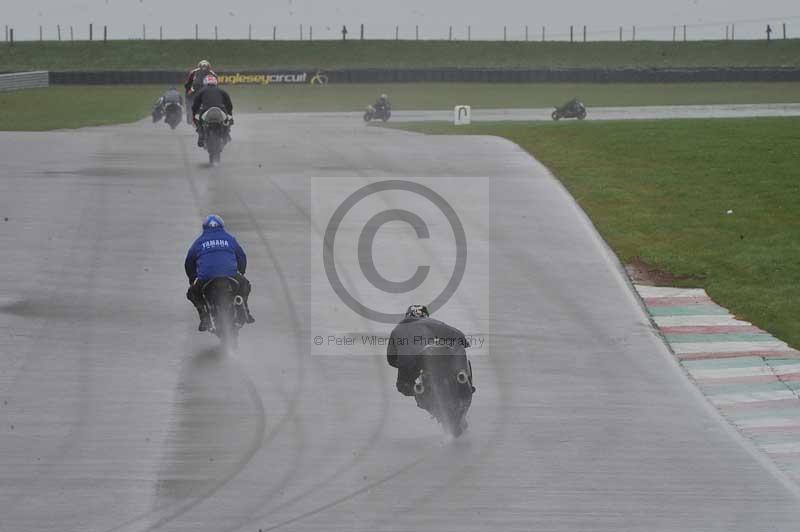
[(78, 106), (232, 55), (72, 106), (660, 190)]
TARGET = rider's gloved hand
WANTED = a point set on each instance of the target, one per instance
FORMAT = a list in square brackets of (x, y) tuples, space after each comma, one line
[(230, 120)]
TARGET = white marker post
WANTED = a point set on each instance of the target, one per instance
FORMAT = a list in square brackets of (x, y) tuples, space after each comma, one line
[(462, 115)]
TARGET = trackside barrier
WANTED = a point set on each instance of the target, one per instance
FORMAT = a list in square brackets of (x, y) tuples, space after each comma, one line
[(543, 75), (24, 80)]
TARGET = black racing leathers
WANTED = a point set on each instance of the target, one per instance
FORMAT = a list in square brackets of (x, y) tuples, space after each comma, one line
[(409, 338), (211, 96)]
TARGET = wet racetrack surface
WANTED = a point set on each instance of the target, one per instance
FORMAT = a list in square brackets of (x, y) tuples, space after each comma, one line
[(116, 415)]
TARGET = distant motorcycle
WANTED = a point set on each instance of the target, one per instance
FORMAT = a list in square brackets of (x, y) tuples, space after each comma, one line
[(173, 114), (444, 386), (216, 125), (572, 109), (371, 113), (226, 309)]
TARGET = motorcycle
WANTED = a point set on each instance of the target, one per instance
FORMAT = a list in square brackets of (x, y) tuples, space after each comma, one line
[(444, 386), (226, 309), (572, 109), (173, 114), (371, 113), (216, 126)]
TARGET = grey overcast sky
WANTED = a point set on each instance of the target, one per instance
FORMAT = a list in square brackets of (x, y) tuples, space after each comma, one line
[(654, 18)]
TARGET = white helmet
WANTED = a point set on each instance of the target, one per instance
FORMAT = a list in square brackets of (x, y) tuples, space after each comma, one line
[(204, 65)]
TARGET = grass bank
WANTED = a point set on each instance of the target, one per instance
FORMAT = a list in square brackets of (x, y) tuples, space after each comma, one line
[(142, 55), (77, 106), (661, 190)]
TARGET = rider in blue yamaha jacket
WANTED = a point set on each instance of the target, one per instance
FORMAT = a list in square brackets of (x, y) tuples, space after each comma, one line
[(215, 253)]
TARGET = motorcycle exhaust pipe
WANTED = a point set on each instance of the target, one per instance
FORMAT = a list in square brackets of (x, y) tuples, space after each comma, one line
[(238, 301), (462, 377), (419, 388)]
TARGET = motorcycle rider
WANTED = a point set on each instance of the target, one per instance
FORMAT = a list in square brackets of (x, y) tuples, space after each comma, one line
[(170, 96), (194, 82), (215, 253), (410, 336), (210, 96), (381, 105)]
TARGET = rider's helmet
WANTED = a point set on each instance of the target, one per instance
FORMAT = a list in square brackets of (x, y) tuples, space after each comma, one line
[(204, 65), (213, 221), (211, 80), (383, 98), (417, 311)]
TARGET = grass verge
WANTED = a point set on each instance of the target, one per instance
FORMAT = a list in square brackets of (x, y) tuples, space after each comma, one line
[(78, 106), (661, 190), (227, 55)]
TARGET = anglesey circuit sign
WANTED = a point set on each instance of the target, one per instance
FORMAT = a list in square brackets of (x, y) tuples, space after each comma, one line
[(265, 78)]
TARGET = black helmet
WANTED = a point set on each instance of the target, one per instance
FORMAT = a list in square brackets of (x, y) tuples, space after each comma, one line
[(417, 311)]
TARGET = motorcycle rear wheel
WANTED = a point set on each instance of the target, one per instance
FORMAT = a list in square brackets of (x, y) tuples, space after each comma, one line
[(555, 116)]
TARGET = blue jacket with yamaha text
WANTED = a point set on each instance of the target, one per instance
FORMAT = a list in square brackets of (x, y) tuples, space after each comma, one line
[(215, 253)]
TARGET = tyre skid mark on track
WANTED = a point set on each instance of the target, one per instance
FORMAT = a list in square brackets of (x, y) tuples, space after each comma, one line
[(350, 464), (175, 510), (486, 448), (370, 442)]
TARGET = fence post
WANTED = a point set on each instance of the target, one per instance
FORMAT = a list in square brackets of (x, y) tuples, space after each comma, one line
[(450, 37), (526, 33), (674, 29), (634, 33), (505, 33), (40, 33), (733, 32), (310, 33), (469, 32), (58, 26), (362, 32), (620, 34), (161, 33), (397, 33), (301, 32), (249, 32), (726, 32), (196, 32), (90, 32), (274, 33), (144, 32), (416, 30), (216, 32), (542, 33), (7, 33), (71, 34), (11, 37), (784, 31), (684, 33), (584, 33), (105, 33), (570, 35)]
